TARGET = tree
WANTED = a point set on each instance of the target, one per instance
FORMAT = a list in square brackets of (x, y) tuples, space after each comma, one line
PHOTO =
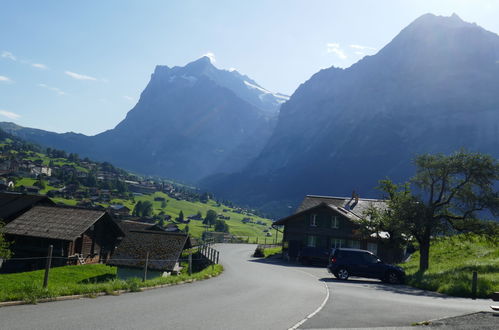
[(180, 216), (186, 229), (221, 226), (137, 209), (147, 209), (448, 193), (4, 245), (211, 217)]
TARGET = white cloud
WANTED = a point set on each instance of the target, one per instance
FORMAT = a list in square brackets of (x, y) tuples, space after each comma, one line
[(335, 48), (10, 115), (232, 69), (360, 47), (359, 53), (129, 98), (54, 89), (39, 66), (5, 79), (9, 55), (211, 56), (79, 76)]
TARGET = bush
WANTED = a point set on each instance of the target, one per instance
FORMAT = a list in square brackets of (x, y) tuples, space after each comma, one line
[(259, 253)]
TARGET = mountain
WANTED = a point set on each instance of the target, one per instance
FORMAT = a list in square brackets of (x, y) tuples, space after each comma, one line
[(189, 122), (432, 89)]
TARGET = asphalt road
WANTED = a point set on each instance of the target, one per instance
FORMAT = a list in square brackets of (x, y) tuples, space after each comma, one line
[(250, 294)]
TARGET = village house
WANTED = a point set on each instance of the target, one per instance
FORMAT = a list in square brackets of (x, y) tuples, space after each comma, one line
[(78, 236), (323, 222), (148, 241)]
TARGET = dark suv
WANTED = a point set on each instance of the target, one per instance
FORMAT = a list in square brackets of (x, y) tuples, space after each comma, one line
[(344, 263)]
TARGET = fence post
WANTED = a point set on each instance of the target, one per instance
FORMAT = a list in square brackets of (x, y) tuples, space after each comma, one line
[(474, 284), (145, 267), (190, 263), (218, 256), (48, 263)]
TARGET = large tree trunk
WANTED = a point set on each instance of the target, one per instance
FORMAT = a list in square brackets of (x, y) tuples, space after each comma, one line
[(424, 254)]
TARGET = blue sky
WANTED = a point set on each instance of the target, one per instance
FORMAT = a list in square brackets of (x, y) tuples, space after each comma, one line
[(81, 65)]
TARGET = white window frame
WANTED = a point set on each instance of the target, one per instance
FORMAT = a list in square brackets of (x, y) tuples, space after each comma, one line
[(337, 243), (372, 247), (311, 241), (313, 220), (354, 244), (335, 222)]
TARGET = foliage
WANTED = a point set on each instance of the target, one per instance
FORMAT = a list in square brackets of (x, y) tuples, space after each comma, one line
[(446, 195), (180, 216), (452, 261), (143, 209), (221, 226), (211, 217)]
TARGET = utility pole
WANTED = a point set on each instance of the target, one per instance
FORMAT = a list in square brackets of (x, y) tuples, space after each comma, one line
[(48, 263), (145, 267)]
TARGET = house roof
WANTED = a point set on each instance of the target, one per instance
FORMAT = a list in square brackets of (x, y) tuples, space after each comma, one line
[(53, 222), (351, 208), (164, 249), (128, 225), (11, 204)]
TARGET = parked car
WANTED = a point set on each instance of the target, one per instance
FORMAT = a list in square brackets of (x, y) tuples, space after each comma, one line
[(313, 256), (344, 263)]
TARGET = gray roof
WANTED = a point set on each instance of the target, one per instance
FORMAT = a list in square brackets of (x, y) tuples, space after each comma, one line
[(164, 249), (11, 204), (347, 206), (53, 222)]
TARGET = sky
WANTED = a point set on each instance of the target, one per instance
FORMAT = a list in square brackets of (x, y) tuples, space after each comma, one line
[(81, 65)]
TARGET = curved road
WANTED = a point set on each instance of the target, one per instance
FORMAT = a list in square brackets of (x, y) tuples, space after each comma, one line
[(250, 294)]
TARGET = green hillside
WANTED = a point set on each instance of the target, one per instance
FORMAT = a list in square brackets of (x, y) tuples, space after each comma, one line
[(452, 261), (96, 184)]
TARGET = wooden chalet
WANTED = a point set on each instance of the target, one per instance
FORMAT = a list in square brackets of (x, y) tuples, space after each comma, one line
[(14, 204), (162, 249), (324, 222), (77, 236)]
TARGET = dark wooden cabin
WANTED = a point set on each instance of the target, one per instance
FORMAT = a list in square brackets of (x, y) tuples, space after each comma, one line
[(77, 235), (324, 222)]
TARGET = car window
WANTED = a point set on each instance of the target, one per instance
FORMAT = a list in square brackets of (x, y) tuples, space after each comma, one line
[(369, 258)]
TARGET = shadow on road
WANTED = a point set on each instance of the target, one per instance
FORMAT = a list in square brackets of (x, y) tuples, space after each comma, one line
[(284, 263), (368, 283), (395, 288)]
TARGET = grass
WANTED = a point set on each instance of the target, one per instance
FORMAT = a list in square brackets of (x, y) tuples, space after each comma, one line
[(271, 251), (452, 262), (196, 228), (88, 280)]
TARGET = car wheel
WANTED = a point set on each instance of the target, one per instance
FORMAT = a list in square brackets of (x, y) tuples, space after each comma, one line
[(392, 278), (342, 274)]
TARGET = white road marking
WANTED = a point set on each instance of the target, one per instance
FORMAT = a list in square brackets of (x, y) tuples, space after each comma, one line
[(309, 316)]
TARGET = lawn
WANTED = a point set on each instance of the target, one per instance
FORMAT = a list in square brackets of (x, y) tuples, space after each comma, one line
[(452, 261), (85, 279)]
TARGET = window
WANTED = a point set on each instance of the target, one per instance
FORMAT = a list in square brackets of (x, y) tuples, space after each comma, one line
[(313, 220), (354, 244), (311, 241), (369, 258), (373, 247), (335, 221), (337, 243)]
